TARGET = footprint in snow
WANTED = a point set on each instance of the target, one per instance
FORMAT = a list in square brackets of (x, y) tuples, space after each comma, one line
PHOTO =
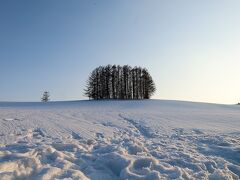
[(76, 136), (39, 132), (99, 135)]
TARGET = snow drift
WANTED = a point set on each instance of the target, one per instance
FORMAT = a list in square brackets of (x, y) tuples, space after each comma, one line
[(150, 139)]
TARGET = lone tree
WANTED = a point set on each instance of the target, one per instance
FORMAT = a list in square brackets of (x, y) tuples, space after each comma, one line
[(120, 82), (45, 96)]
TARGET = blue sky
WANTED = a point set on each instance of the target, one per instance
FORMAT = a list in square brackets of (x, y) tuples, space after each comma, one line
[(191, 48)]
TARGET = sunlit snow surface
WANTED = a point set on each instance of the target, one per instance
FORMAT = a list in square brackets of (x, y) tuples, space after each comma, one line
[(152, 139)]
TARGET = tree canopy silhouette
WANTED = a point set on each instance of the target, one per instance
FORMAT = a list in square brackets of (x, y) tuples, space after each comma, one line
[(119, 82)]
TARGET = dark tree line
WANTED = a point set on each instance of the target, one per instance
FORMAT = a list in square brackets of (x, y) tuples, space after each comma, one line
[(119, 82)]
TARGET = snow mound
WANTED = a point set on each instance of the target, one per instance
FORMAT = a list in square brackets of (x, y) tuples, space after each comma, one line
[(119, 140)]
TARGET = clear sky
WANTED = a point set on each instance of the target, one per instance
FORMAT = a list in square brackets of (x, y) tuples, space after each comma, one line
[(191, 48)]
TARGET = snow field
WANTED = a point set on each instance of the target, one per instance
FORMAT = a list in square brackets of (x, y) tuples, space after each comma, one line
[(119, 140)]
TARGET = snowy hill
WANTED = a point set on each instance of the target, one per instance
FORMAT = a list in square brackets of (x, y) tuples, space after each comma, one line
[(150, 139)]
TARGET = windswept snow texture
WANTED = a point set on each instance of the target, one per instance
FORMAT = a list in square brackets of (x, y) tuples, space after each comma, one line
[(108, 140)]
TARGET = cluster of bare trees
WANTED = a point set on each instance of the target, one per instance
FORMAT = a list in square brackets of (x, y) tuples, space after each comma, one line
[(119, 82)]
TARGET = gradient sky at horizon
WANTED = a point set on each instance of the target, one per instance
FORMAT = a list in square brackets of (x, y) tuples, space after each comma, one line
[(191, 48)]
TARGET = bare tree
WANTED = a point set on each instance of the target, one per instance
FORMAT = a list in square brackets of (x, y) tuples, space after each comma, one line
[(45, 96)]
